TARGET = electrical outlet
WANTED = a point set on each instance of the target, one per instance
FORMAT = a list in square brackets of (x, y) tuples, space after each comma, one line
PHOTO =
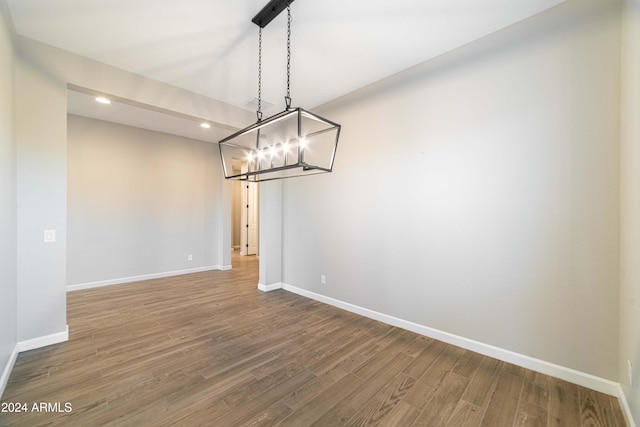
[(323, 279), (189, 257), (630, 372)]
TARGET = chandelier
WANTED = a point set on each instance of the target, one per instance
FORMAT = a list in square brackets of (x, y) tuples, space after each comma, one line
[(295, 142)]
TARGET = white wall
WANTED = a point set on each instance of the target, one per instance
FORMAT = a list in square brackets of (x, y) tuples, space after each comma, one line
[(270, 239), (630, 206), (43, 75), (477, 193), (139, 202), (236, 213), (41, 191), (8, 299)]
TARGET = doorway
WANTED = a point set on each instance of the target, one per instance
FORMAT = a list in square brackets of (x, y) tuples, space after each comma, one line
[(249, 209), (245, 216)]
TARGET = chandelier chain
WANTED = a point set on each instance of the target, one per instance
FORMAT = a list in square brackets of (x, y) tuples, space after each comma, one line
[(288, 97), (259, 112)]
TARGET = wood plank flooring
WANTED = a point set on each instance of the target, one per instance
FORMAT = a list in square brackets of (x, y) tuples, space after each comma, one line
[(210, 349)]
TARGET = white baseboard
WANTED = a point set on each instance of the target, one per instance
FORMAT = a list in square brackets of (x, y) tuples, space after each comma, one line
[(6, 372), (269, 288), (90, 285), (624, 406), (224, 267), (44, 341), (27, 345), (581, 378)]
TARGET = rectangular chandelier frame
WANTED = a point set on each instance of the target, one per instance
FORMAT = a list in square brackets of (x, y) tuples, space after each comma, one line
[(293, 143)]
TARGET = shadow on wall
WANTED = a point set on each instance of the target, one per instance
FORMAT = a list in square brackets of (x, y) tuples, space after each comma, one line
[(573, 14)]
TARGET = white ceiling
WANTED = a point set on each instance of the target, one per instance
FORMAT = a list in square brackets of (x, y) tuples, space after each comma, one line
[(146, 117), (210, 46)]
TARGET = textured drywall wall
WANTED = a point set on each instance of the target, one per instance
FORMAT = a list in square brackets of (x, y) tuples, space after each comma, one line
[(477, 193), (630, 207), (8, 299), (139, 202)]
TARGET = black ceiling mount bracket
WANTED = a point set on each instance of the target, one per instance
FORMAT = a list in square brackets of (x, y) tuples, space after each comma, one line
[(270, 11)]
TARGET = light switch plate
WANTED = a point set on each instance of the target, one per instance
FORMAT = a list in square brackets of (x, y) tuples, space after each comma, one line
[(49, 236)]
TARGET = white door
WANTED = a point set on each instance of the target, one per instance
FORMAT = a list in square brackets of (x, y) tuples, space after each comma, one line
[(250, 217), (244, 220), (252, 213)]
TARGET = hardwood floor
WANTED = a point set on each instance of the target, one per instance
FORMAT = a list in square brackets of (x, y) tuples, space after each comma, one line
[(210, 349)]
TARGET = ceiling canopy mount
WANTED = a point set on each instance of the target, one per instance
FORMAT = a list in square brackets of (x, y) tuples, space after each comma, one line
[(270, 11)]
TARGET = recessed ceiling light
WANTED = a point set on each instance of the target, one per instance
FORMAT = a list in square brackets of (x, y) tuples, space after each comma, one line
[(103, 100), (205, 125)]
